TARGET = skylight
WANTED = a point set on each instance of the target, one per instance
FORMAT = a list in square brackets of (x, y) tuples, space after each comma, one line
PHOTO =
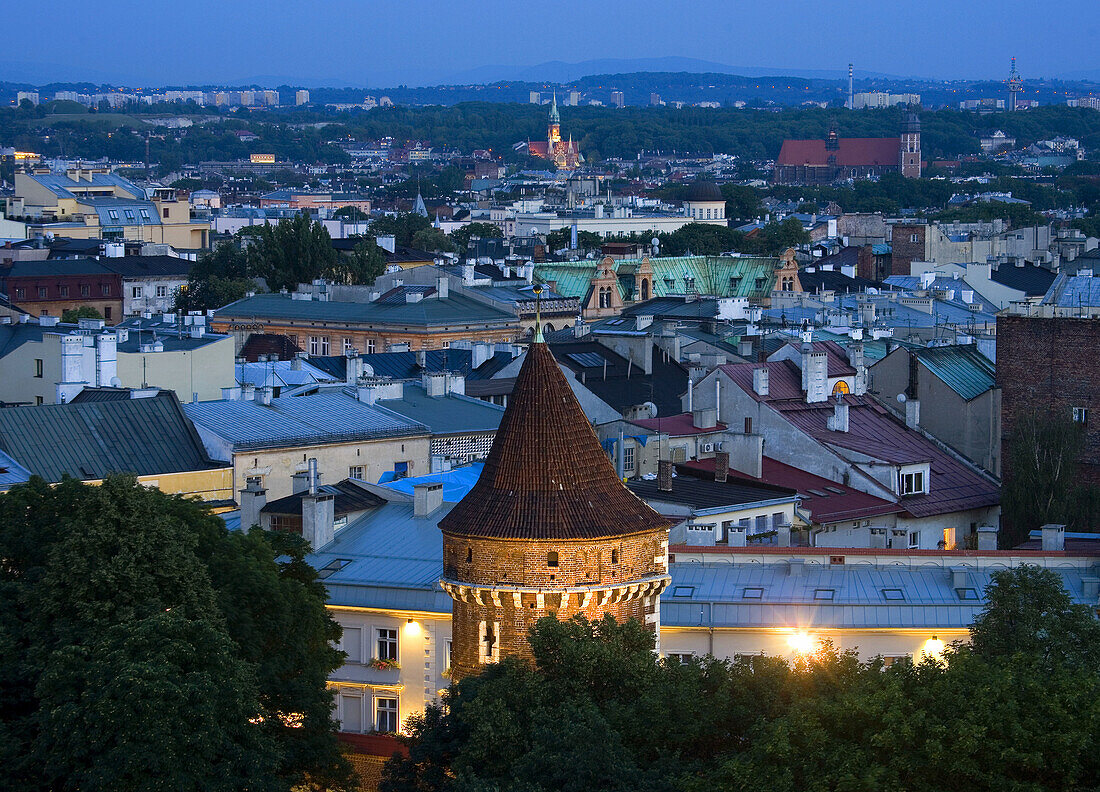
[(824, 594), (752, 593), (893, 594), (967, 594), (683, 591)]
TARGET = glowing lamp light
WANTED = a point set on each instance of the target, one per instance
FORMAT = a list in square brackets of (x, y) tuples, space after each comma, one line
[(933, 648), (802, 643), (412, 627)]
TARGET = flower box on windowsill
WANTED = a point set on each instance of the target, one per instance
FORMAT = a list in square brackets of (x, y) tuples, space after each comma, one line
[(384, 665)]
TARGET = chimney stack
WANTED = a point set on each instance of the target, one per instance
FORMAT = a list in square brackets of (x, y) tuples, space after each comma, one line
[(721, 466), (987, 537), (664, 475), (253, 499), (427, 498), (839, 420), (1054, 537), (760, 380), (912, 413)]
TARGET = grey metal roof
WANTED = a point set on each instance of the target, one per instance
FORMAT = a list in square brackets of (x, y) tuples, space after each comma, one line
[(454, 310), (62, 186), (92, 439), (123, 211), (325, 417), (961, 367), (929, 596), (49, 268), (11, 472), (450, 414)]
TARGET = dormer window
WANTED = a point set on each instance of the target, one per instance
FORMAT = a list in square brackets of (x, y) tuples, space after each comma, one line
[(914, 480)]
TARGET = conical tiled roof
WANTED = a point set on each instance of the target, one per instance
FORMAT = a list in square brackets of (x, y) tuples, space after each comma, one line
[(547, 476)]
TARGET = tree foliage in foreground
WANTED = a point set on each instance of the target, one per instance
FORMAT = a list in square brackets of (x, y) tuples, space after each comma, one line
[(143, 646), (1017, 709)]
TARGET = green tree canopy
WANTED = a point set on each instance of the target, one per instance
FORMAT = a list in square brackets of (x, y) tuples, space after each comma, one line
[(220, 276), (352, 213), (292, 252), (402, 227), (461, 236), (433, 240), (74, 315), (143, 646)]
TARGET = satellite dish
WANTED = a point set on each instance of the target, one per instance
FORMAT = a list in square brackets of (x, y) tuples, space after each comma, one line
[(901, 398), (650, 408), (116, 382), (655, 242)]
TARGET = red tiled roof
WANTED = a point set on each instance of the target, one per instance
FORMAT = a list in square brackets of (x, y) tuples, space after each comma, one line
[(677, 425), (851, 152), (849, 504), (954, 485), (784, 379), (373, 744), (546, 476), (537, 148)]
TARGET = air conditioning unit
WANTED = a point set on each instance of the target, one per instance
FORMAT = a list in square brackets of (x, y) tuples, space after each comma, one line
[(708, 448)]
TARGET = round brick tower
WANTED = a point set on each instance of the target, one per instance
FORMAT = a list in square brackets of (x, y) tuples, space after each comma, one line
[(548, 530)]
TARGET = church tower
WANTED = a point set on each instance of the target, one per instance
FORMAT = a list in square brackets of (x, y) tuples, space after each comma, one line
[(909, 150), (548, 530), (553, 131)]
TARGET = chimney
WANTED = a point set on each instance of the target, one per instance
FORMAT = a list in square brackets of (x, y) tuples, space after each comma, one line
[(912, 413), (480, 354), (435, 383), (721, 466), (299, 482), (421, 358), (442, 288), (106, 359), (704, 418), (839, 420), (795, 567), (253, 499), (958, 577), (318, 518), (760, 380), (987, 537), (691, 387), (664, 475), (815, 376), (783, 536), (427, 498), (263, 396), (248, 392), (354, 366), (1054, 537)]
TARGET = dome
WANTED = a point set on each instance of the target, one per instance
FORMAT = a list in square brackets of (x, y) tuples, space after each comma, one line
[(704, 190)]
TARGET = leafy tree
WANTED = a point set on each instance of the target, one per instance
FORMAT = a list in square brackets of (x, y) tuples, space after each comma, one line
[(562, 238), (366, 261), (461, 236), (402, 227), (433, 240), (292, 252), (351, 213), (143, 646), (1031, 614), (74, 315), (1041, 484), (220, 276)]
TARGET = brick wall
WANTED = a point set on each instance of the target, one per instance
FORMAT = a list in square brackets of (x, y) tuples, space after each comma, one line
[(1049, 366), (904, 250), (496, 562)]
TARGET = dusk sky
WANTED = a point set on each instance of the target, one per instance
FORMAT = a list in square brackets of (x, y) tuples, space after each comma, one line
[(384, 43)]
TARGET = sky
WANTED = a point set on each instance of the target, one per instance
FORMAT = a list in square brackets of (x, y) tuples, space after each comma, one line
[(382, 43)]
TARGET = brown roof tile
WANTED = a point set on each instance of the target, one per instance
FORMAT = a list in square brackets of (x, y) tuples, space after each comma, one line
[(547, 476)]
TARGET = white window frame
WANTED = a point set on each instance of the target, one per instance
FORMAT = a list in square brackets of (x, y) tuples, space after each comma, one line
[(162, 291), (393, 639), (914, 540), (137, 292), (1081, 415), (355, 471), (628, 457), (396, 711), (370, 346), (348, 344)]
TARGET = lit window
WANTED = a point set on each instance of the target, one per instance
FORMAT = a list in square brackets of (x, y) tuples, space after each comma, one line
[(387, 644), (385, 715)]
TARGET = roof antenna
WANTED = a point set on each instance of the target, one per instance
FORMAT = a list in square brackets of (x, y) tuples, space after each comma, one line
[(538, 315)]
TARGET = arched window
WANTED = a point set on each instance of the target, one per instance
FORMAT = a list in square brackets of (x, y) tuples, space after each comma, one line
[(469, 555), (614, 556), (645, 288), (552, 558), (549, 328)]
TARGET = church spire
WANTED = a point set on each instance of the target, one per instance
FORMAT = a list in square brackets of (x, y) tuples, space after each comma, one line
[(554, 117)]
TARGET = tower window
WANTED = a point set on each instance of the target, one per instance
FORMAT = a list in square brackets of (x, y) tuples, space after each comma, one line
[(552, 558), (469, 555), (614, 556)]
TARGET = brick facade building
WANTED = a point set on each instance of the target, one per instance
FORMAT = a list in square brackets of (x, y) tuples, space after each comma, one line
[(49, 288), (549, 530), (1049, 367)]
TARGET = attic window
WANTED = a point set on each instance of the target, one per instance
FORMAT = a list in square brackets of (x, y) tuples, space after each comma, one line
[(683, 591), (893, 594), (819, 493), (332, 567), (752, 593), (967, 594), (837, 490), (824, 594)]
